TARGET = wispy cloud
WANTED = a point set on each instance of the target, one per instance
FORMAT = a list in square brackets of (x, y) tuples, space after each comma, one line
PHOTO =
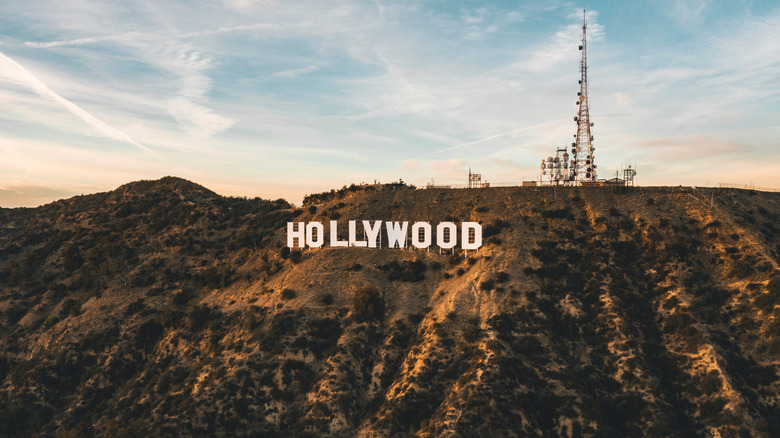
[(15, 72), (189, 105), (81, 41), (495, 136), (294, 73), (563, 46)]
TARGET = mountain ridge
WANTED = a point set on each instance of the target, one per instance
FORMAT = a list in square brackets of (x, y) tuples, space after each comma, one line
[(163, 308)]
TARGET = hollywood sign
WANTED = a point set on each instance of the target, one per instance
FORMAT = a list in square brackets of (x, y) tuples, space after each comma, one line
[(301, 235)]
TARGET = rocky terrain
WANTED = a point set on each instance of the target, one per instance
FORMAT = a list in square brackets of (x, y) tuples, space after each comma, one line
[(164, 309)]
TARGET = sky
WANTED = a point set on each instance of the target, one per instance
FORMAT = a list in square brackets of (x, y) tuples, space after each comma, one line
[(279, 99)]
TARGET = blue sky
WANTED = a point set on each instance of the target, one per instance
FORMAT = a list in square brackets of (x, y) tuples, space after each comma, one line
[(283, 98)]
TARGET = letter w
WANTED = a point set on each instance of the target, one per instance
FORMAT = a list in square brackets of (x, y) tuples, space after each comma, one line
[(396, 234)]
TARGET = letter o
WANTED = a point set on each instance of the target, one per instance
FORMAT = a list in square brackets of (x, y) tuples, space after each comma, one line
[(310, 227), (426, 240), (453, 235)]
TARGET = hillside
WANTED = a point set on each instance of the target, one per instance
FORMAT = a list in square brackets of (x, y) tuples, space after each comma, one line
[(164, 309)]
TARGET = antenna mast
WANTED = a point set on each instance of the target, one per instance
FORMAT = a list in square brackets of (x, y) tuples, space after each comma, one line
[(582, 148)]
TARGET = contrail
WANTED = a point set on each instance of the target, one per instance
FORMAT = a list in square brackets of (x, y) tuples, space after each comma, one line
[(494, 136), (17, 73)]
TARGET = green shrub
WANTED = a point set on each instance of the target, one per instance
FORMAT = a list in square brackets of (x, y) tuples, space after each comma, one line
[(559, 213), (198, 315), (70, 307), (71, 258), (148, 334), (288, 294), (671, 303), (493, 228), (411, 271), (367, 304), (741, 269), (472, 332), (711, 408), (710, 383), (768, 300), (51, 320), (774, 285), (487, 285)]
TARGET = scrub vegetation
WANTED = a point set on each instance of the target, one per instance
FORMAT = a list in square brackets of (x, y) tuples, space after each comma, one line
[(164, 309)]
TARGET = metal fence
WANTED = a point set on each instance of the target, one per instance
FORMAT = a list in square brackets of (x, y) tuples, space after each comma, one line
[(465, 186), (748, 187)]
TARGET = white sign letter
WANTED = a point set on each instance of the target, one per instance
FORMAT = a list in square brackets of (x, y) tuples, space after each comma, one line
[(471, 230), (446, 235), (425, 227), (334, 238), (396, 234), (310, 228), (372, 232), (293, 234), (353, 235)]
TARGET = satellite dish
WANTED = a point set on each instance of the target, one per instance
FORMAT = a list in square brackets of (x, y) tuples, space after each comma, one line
[(582, 98)]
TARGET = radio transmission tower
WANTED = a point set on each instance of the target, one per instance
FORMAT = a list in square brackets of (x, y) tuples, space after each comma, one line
[(582, 148)]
